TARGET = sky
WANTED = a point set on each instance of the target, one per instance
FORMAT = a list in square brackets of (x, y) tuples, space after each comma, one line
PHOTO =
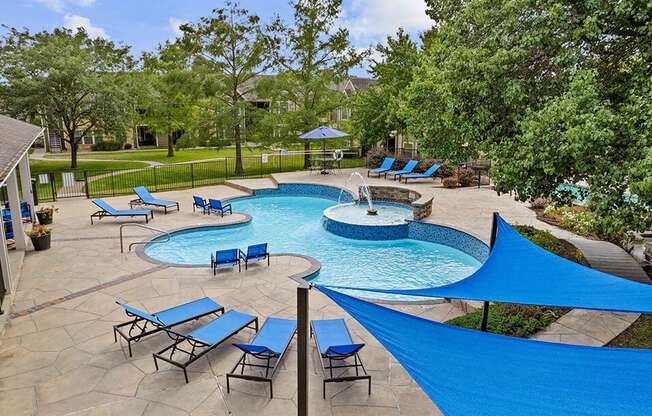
[(144, 24)]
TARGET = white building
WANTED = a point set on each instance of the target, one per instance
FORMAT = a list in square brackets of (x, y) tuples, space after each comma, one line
[(16, 137)]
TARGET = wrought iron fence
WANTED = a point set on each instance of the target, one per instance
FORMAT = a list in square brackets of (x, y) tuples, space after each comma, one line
[(103, 183)]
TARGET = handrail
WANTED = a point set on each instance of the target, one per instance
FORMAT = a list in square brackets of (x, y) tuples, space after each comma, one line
[(147, 227)]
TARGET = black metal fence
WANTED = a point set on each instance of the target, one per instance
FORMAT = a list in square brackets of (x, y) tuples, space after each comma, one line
[(102, 183)]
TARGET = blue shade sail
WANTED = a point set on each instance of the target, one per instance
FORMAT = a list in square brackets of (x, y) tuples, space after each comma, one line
[(322, 133), (471, 373), (519, 271)]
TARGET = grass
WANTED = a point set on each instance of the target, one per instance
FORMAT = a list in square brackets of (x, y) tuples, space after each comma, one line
[(638, 335), (47, 166), (523, 320)]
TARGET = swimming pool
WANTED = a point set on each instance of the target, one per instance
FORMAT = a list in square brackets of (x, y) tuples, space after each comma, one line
[(292, 224)]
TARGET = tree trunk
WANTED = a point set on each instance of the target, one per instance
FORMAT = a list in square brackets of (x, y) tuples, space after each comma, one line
[(73, 153), (306, 156), (236, 135), (170, 145)]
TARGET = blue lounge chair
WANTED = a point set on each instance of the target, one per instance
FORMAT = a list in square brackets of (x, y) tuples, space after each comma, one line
[(427, 174), (225, 258), (107, 210), (199, 202), (25, 211), (215, 205), (407, 169), (9, 229), (269, 345), (384, 167), (204, 339), (144, 324), (255, 253), (145, 198), (335, 344)]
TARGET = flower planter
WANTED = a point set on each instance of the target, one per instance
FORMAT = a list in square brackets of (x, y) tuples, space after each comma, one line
[(41, 243), (44, 218)]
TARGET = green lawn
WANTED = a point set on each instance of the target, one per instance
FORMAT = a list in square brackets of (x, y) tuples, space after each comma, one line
[(639, 335), (47, 166), (160, 155)]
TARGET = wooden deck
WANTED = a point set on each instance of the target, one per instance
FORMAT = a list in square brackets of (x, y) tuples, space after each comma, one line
[(610, 258)]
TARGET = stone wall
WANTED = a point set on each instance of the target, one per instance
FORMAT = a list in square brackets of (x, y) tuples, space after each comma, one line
[(422, 205)]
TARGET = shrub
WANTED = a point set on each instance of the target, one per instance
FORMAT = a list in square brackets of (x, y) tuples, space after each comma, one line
[(127, 146), (446, 170), (572, 218), (450, 182), (375, 157), (467, 177), (546, 240), (424, 164), (106, 145), (402, 160), (539, 203)]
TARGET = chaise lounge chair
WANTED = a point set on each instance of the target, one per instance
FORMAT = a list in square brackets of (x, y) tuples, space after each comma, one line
[(145, 198), (215, 205), (407, 169), (204, 339), (384, 167), (199, 202), (255, 253), (334, 343), (107, 210), (269, 345), (427, 174), (145, 324), (225, 258)]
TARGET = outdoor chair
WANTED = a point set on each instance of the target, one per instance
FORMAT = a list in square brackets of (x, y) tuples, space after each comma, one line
[(144, 324), (145, 198), (254, 253), (265, 351), (107, 210), (384, 167), (225, 258), (199, 202), (203, 339), (427, 174), (335, 346), (407, 169), (216, 206)]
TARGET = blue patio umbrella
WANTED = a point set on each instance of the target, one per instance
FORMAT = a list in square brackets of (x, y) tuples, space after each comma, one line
[(323, 133)]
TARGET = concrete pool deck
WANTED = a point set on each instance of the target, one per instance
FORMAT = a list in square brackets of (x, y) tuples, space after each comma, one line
[(57, 355)]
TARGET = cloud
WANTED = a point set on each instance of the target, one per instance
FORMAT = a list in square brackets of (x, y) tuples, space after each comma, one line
[(372, 20), (58, 5), (174, 24), (75, 22)]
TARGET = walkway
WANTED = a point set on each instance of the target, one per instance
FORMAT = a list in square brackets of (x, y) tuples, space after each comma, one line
[(610, 258)]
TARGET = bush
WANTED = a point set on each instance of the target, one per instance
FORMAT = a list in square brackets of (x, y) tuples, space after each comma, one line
[(467, 177), (572, 218), (375, 157), (127, 146), (106, 145), (446, 169), (423, 165), (450, 182), (539, 203), (546, 240)]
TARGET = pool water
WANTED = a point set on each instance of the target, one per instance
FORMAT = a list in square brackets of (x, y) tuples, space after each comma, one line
[(292, 224), (356, 213)]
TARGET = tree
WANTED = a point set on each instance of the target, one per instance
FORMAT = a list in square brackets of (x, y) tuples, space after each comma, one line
[(553, 91), (172, 91), (318, 57), (230, 49), (376, 111), (71, 81)]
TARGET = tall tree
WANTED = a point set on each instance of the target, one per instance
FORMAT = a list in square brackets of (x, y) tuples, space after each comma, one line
[(230, 49), (172, 91), (69, 79), (318, 57), (376, 111)]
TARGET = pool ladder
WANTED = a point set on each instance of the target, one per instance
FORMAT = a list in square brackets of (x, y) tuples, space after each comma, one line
[(146, 227)]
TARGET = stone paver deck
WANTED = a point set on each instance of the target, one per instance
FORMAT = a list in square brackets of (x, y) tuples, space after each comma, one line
[(60, 359)]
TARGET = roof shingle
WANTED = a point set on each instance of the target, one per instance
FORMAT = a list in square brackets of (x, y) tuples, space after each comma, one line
[(15, 138)]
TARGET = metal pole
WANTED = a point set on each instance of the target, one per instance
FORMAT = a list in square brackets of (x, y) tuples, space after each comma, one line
[(303, 320), (485, 305)]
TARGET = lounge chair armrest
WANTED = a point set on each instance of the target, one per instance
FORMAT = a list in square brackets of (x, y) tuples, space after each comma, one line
[(339, 351)]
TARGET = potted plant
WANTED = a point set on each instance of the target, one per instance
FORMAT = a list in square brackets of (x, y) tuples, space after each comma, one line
[(45, 215), (40, 236)]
